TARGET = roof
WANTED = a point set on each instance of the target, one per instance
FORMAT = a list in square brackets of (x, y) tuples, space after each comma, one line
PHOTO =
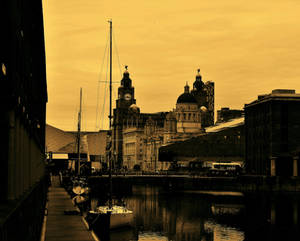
[(186, 98), (225, 125), (278, 94), (201, 145), (56, 139), (59, 141)]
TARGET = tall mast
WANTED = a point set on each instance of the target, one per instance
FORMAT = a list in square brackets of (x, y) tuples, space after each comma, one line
[(110, 76), (78, 133), (110, 115)]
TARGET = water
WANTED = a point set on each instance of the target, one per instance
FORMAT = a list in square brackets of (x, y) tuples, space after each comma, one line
[(197, 216)]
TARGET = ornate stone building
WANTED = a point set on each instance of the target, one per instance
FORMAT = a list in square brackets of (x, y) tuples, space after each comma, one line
[(120, 115), (137, 136), (187, 113), (204, 93)]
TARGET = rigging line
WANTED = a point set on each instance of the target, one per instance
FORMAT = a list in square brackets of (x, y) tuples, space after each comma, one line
[(99, 78), (103, 107), (115, 94), (117, 53)]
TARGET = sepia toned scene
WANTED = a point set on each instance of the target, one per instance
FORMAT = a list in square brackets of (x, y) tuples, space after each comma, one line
[(150, 120)]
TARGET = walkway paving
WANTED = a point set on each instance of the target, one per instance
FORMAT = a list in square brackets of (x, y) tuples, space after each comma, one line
[(59, 226)]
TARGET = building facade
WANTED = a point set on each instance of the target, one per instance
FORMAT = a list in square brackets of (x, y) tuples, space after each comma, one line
[(220, 143), (23, 101), (120, 117), (272, 127), (62, 148), (187, 113), (138, 136)]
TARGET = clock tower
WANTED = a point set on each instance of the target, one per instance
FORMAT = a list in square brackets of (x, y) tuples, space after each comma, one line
[(125, 92), (120, 114)]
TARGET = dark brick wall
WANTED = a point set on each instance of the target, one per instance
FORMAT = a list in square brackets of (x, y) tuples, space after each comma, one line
[(272, 129)]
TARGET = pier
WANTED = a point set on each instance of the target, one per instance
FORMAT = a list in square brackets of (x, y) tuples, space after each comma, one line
[(59, 225)]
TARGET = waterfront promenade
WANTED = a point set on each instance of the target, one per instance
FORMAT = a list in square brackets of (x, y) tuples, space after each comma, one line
[(57, 225)]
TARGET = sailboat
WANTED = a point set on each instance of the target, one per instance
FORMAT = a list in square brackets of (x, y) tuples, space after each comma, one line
[(111, 216), (79, 183)]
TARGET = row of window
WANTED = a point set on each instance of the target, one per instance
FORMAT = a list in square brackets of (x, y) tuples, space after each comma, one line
[(188, 116)]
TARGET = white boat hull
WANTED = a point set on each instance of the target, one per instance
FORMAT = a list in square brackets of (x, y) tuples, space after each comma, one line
[(118, 220), (115, 216)]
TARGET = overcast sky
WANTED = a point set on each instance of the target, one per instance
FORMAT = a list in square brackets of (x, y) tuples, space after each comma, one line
[(246, 47)]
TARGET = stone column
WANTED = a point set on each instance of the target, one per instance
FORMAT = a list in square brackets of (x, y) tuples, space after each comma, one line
[(273, 166), (295, 167)]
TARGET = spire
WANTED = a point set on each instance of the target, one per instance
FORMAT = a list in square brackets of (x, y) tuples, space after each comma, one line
[(198, 76), (126, 73), (186, 88), (126, 81), (198, 84)]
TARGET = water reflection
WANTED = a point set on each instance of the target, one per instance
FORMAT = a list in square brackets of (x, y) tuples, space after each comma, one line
[(193, 217)]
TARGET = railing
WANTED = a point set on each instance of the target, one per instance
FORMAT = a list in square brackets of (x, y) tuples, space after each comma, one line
[(24, 217)]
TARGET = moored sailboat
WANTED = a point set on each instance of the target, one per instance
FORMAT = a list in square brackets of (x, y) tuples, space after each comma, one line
[(111, 216)]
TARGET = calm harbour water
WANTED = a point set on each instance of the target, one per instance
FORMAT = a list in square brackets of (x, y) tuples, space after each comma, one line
[(196, 216)]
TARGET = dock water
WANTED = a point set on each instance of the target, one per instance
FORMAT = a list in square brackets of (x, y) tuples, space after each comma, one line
[(62, 223)]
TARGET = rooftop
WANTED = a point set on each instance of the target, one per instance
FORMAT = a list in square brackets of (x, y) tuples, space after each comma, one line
[(277, 94), (225, 125)]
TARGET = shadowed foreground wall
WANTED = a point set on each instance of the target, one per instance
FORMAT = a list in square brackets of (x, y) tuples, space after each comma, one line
[(23, 105)]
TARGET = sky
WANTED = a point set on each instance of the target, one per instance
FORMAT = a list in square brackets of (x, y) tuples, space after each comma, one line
[(247, 48)]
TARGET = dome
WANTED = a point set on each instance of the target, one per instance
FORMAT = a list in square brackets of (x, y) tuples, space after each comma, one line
[(203, 108), (126, 81), (186, 98), (134, 108)]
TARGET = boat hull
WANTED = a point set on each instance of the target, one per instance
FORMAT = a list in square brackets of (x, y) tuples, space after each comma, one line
[(118, 220), (111, 217)]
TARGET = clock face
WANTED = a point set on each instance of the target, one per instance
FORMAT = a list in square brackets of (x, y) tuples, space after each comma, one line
[(127, 96)]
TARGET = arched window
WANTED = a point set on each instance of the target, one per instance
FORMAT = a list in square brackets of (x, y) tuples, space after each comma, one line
[(184, 116)]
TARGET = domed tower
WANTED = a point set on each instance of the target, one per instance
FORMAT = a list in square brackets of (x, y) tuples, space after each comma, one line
[(204, 95), (125, 92), (187, 113)]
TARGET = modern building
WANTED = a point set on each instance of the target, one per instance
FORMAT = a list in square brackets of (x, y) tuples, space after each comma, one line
[(62, 148), (272, 129), (220, 143)]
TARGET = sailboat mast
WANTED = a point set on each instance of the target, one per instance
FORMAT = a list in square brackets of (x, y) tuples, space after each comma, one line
[(78, 132), (110, 76), (110, 115)]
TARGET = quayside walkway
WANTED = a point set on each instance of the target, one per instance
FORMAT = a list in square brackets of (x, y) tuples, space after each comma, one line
[(57, 225)]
